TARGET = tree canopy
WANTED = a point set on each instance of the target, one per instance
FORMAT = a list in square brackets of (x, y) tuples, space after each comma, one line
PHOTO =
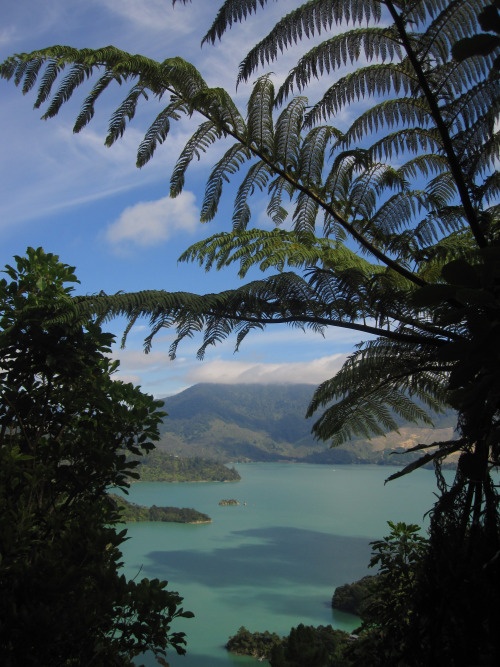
[(68, 434)]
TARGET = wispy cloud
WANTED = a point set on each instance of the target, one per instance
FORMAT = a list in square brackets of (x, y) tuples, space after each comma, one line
[(235, 372), (158, 375), (153, 222), (7, 35)]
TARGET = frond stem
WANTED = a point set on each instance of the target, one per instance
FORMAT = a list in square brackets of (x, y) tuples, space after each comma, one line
[(455, 169), (365, 328)]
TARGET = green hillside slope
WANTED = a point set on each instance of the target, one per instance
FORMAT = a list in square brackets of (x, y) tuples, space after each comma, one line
[(250, 422)]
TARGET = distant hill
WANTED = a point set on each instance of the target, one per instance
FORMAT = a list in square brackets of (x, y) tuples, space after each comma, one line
[(250, 422)]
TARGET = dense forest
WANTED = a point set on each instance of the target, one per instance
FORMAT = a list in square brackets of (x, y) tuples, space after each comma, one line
[(305, 645), (160, 466), (130, 512)]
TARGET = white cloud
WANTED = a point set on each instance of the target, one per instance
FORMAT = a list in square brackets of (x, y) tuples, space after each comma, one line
[(136, 361), (149, 223), (235, 372), (157, 374), (7, 35)]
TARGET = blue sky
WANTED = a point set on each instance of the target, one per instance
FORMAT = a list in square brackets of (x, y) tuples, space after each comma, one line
[(90, 204)]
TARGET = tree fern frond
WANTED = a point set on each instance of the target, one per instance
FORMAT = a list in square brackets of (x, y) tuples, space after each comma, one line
[(398, 112), (411, 141), (12, 65), (88, 107), (52, 70), (489, 190), (306, 211), (455, 21), (312, 155), (479, 101), (75, 77), (398, 211), (370, 81), (158, 131), (370, 407), (243, 331), (471, 147), (426, 165), (181, 75), (287, 133), (124, 113), (231, 12), (483, 158), (216, 104), (375, 362), (369, 185), (420, 12), (260, 125), (437, 225), (389, 178), (258, 176), (254, 247), (311, 18), (441, 190), (343, 170), (346, 48), (367, 417), (444, 248), (230, 163), (205, 135), (29, 74), (275, 210)]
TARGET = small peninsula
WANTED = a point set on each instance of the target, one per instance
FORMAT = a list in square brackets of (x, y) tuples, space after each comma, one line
[(352, 598), (160, 466), (254, 644), (131, 512), (303, 646)]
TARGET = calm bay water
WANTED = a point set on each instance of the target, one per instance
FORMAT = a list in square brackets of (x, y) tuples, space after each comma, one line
[(273, 561)]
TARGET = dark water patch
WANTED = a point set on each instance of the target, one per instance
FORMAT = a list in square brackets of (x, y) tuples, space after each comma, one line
[(283, 556)]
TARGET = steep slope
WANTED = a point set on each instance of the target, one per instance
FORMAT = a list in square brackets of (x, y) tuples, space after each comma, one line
[(249, 422)]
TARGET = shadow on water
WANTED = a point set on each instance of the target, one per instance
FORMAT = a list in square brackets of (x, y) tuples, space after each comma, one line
[(271, 556)]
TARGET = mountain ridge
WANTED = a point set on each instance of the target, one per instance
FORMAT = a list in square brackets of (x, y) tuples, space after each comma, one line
[(266, 422)]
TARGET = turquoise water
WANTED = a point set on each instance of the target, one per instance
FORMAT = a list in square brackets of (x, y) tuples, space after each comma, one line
[(273, 561)]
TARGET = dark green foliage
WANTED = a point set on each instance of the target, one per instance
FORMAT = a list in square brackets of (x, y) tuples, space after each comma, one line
[(131, 512), (320, 646), (352, 598), (160, 466), (387, 600), (256, 644), (398, 557), (484, 43), (456, 616), (67, 431)]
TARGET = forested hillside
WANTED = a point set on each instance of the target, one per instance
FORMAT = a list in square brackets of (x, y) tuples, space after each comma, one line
[(250, 422)]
